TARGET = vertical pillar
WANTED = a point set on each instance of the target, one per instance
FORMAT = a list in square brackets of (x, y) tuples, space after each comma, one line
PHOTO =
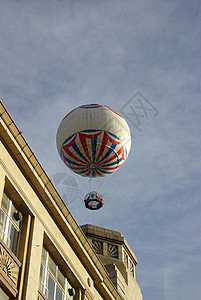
[(121, 253), (23, 249), (2, 183), (134, 272), (104, 249), (33, 261)]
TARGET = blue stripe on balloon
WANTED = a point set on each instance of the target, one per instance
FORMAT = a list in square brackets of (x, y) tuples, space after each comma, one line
[(114, 135), (81, 172), (93, 145), (126, 152), (91, 130), (114, 163), (73, 162), (105, 172), (113, 146), (68, 139), (75, 147), (86, 105)]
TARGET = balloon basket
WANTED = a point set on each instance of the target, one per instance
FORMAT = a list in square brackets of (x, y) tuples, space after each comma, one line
[(93, 201)]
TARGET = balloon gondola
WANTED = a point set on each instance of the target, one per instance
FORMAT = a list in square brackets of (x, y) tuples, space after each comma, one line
[(93, 141), (93, 200)]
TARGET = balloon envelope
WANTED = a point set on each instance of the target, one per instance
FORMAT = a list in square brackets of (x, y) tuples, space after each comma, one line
[(93, 140)]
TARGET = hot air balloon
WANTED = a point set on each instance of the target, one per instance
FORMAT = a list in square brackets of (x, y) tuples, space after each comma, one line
[(93, 141)]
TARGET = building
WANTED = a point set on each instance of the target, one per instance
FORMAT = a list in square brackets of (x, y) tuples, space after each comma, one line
[(44, 254), (117, 257)]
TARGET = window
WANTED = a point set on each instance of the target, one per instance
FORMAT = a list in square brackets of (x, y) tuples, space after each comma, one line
[(10, 224), (113, 250), (97, 246), (53, 283)]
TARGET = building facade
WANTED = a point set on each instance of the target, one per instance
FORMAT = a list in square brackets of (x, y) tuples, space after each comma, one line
[(44, 254), (117, 257)]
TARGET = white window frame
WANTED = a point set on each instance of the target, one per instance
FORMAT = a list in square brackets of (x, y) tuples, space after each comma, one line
[(56, 283), (9, 222)]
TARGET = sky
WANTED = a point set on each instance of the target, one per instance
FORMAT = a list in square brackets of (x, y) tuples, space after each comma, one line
[(57, 55)]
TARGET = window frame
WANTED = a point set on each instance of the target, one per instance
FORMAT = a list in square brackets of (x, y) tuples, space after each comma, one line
[(46, 274), (6, 231)]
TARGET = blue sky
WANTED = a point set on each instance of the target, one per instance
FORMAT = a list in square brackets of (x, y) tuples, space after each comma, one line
[(57, 55)]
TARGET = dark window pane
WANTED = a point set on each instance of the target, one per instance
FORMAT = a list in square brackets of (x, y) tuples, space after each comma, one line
[(42, 277), (12, 240), (61, 279), (52, 266), (5, 202), (51, 288), (44, 255), (59, 294), (3, 218)]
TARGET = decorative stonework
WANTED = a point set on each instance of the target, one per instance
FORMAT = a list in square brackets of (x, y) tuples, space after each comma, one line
[(129, 263), (9, 270), (113, 250), (97, 246), (132, 268), (125, 258)]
